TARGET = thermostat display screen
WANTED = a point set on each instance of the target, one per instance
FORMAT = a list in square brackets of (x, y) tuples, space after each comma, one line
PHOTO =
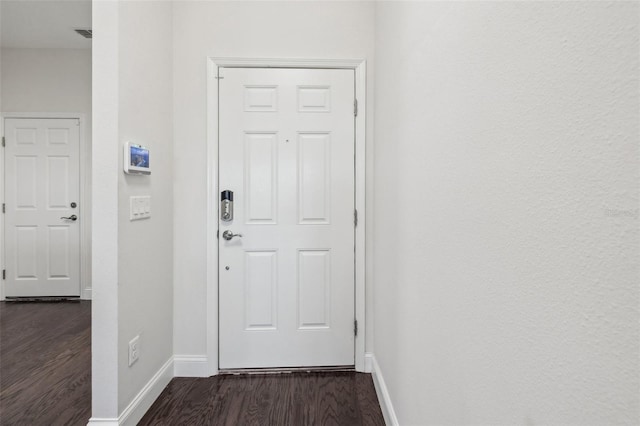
[(136, 159), (139, 157)]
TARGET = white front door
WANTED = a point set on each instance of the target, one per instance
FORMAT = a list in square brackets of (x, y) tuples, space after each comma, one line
[(286, 151), (41, 175)]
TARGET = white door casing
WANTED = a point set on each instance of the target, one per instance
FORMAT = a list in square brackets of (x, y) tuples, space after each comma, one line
[(41, 179), (286, 150)]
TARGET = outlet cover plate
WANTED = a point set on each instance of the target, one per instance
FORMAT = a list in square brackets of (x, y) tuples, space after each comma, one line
[(134, 350)]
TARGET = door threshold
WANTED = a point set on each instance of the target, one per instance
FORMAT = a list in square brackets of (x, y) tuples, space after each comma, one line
[(286, 370), (45, 299)]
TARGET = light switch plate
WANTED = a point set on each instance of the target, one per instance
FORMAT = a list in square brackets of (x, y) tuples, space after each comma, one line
[(139, 207)]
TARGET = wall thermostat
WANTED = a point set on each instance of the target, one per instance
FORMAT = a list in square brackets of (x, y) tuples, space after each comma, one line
[(136, 159)]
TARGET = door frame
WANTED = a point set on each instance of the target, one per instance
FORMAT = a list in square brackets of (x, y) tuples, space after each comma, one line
[(84, 167), (213, 66)]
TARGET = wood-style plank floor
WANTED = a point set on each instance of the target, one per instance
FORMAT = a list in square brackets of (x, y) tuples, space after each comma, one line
[(45, 363), (288, 399), (45, 379)]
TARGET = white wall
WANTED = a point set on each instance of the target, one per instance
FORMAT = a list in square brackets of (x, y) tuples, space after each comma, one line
[(506, 289), (53, 80), (46, 80), (1, 106), (105, 161), (133, 89), (236, 29), (145, 248)]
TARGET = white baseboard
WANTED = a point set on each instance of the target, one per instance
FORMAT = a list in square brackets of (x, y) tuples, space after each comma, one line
[(102, 422), (146, 397), (86, 294), (190, 366), (368, 362), (384, 398)]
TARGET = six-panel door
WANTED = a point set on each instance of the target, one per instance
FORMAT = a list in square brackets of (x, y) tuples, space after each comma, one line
[(287, 153), (41, 182)]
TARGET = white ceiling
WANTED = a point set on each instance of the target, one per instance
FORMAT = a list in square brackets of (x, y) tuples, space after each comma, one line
[(44, 24)]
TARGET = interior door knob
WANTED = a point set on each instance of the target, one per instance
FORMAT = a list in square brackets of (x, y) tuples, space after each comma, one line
[(72, 217), (227, 235)]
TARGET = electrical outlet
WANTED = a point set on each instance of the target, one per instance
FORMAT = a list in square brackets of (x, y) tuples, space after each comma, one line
[(134, 350)]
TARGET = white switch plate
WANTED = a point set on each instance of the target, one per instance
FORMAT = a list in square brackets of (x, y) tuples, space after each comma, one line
[(139, 207)]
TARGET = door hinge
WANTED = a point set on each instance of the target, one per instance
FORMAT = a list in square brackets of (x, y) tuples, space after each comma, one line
[(355, 107), (3, 141), (355, 327), (218, 234), (355, 217), (3, 207), (4, 274)]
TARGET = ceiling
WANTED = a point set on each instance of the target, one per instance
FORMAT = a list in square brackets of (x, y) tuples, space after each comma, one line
[(44, 24)]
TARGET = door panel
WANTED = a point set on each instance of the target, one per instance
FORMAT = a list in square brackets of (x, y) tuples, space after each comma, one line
[(287, 152), (314, 289), (314, 178), (261, 291), (58, 252), (26, 248), (58, 182), (261, 174), (41, 182), (24, 186)]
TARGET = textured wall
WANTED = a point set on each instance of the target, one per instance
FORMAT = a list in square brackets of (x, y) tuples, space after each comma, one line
[(506, 287)]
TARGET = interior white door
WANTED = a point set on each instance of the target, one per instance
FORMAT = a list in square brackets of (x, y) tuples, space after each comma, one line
[(287, 152), (41, 183)]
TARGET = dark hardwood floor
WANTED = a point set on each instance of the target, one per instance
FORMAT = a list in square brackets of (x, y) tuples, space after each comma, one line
[(45, 363), (296, 399), (45, 379)]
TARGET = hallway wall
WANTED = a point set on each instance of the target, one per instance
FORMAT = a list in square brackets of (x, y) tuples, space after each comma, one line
[(46, 80), (507, 137), (505, 278), (145, 247), (133, 268), (238, 29), (53, 80)]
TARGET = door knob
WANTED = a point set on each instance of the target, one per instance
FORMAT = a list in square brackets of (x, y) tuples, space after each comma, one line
[(227, 235), (72, 217)]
